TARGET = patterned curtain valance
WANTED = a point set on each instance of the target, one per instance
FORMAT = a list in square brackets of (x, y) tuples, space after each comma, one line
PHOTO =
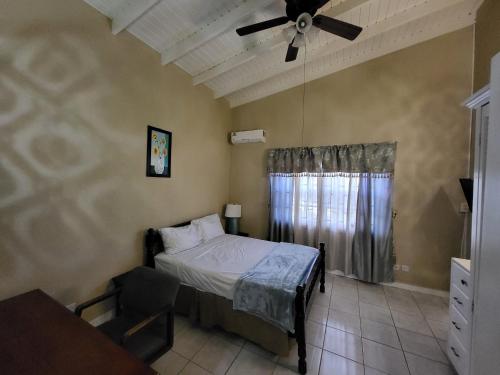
[(362, 158)]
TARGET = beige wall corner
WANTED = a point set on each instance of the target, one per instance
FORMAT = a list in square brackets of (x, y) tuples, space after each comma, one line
[(74, 105), (487, 41), (413, 97)]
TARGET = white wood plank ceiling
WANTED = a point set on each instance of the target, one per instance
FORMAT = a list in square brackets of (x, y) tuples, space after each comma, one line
[(199, 36)]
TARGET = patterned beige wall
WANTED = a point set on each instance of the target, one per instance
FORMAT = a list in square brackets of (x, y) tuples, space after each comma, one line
[(487, 41), (74, 104), (412, 97)]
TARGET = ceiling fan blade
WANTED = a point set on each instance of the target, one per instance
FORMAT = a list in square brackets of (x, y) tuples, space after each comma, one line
[(291, 53), (337, 27), (250, 29)]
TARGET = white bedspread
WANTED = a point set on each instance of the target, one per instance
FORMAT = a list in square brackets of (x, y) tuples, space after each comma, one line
[(216, 265)]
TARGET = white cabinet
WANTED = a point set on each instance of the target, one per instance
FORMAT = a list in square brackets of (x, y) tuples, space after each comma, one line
[(460, 315)]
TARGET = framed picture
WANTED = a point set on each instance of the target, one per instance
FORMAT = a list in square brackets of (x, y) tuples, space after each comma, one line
[(158, 162)]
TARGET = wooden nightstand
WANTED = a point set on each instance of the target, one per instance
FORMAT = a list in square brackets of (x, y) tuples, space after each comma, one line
[(242, 234)]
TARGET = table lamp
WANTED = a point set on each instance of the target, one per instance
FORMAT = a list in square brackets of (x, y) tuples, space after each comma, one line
[(233, 214)]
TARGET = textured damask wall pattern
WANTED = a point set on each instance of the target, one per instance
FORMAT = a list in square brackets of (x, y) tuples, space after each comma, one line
[(74, 104)]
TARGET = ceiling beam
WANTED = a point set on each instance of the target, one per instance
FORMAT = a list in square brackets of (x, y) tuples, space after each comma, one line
[(336, 44), (271, 87), (212, 30), (270, 43), (128, 12)]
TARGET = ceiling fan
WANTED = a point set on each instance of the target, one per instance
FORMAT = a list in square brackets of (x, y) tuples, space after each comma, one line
[(302, 13)]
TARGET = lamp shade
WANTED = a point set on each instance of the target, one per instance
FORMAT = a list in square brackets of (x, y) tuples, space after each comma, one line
[(233, 210)]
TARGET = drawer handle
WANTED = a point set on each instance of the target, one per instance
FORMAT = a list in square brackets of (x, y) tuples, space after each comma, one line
[(455, 352), (456, 325), (458, 301), (464, 282)]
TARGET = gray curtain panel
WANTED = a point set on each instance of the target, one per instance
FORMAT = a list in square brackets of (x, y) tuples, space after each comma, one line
[(281, 209), (340, 195), (372, 246)]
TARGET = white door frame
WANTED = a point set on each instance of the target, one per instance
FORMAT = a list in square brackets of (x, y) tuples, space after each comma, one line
[(484, 358)]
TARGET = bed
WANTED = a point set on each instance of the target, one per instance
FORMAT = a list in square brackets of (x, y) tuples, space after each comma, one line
[(210, 274)]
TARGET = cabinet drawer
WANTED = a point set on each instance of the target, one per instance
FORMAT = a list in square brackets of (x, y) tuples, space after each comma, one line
[(460, 327), (458, 355), (461, 278), (461, 302)]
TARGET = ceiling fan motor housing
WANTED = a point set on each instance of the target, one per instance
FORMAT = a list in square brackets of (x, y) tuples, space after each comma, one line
[(304, 23)]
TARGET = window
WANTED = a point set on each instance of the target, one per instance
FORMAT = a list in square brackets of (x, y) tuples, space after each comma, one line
[(328, 202), (318, 194), (329, 199)]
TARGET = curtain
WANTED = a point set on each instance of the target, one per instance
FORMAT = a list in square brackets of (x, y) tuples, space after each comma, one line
[(340, 195)]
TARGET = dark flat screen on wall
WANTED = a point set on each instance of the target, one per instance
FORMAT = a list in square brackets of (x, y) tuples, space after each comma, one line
[(467, 187)]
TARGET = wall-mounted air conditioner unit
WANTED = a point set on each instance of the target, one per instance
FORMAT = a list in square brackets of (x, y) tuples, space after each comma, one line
[(249, 136)]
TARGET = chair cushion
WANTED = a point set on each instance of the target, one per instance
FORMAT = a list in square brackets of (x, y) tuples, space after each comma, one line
[(148, 291)]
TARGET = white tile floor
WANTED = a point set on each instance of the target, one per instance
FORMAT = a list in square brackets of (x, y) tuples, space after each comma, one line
[(352, 329)]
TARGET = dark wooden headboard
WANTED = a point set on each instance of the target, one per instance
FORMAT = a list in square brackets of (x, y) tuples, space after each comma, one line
[(154, 245)]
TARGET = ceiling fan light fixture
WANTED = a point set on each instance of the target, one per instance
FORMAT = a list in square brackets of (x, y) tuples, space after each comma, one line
[(299, 40), (289, 33)]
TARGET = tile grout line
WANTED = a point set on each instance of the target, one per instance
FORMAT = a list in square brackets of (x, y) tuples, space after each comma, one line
[(433, 335), (432, 331), (361, 329), (326, 325), (187, 363), (387, 346), (235, 358), (397, 332), (425, 319)]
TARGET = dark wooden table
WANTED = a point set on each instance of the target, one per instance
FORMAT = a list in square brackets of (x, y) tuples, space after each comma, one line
[(40, 336)]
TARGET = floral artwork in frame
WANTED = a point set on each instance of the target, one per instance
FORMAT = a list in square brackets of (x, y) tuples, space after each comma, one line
[(159, 152)]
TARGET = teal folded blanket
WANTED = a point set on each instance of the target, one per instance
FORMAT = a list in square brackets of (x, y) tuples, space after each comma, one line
[(268, 289)]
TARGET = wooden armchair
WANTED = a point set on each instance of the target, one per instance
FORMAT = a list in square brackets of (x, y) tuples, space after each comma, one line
[(144, 318)]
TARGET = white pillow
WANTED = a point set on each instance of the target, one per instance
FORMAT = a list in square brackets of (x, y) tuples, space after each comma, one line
[(209, 227), (179, 239)]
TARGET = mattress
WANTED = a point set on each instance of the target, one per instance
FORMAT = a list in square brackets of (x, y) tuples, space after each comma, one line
[(215, 265)]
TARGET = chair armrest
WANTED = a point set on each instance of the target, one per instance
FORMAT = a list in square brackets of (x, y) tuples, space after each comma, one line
[(79, 309), (141, 325)]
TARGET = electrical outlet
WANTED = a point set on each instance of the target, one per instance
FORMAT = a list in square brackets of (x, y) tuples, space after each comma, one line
[(71, 306), (396, 267), (405, 268)]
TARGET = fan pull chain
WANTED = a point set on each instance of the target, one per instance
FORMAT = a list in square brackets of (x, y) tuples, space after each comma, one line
[(304, 94)]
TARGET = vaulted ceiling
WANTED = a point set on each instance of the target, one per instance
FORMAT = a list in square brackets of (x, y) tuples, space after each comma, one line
[(199, 36)]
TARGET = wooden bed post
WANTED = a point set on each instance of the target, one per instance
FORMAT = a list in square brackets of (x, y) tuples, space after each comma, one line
[(150, 240), (300, 329), (322, 267)]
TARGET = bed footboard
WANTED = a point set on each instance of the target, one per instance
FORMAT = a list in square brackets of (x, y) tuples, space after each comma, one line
[(304, 293)]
